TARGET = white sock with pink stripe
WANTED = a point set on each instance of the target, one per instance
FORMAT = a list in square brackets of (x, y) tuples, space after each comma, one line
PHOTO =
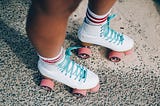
[(94, 19), (54, 59)]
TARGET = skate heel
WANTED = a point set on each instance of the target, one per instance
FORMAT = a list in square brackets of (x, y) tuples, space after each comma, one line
[(115, 56), (82, 92), (47, 84), (85, 51)]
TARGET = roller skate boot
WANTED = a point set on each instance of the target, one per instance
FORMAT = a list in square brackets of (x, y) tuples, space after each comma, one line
[(69, 73), (103, 35)]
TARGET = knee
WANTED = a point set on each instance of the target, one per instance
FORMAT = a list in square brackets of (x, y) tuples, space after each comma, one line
[(56, 7)]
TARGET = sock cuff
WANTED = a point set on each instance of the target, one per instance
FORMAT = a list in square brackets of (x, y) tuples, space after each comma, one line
[(94, 19), (89, 12), (54, 59)]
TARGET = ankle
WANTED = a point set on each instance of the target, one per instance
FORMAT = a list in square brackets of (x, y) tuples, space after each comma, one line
[(54, 59), (94, 19)]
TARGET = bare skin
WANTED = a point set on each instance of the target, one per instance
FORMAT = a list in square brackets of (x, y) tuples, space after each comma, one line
[(46, 25), (101, 7), (47, 22)]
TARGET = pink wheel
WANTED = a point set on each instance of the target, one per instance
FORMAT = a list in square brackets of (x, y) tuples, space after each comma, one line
[(47, 84), (128, 52), (95, 89), (115, 56), (79, 93), (84, 52)]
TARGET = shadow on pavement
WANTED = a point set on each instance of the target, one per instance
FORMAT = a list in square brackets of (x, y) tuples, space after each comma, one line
[(157, 4), (20, 46)]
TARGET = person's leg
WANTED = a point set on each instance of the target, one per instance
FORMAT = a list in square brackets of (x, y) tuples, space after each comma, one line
[(96, 29), (98, 10), (100, 7), (46, 28), (46, 24)]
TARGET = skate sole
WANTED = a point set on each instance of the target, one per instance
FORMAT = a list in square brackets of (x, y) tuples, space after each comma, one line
[(48, 84), (114, 56)]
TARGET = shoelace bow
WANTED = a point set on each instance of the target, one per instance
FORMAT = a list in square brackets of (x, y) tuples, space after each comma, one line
[(109, 34), (70, 67)]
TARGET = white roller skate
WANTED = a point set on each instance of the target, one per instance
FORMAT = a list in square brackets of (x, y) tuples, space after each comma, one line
[(69, 73), (104, 36)]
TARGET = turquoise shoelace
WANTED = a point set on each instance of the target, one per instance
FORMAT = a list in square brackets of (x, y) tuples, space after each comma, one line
[(69, 67), (109, 34)]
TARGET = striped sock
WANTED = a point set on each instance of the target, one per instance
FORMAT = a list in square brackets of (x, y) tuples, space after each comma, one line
[(94, 19), (54, 59)]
